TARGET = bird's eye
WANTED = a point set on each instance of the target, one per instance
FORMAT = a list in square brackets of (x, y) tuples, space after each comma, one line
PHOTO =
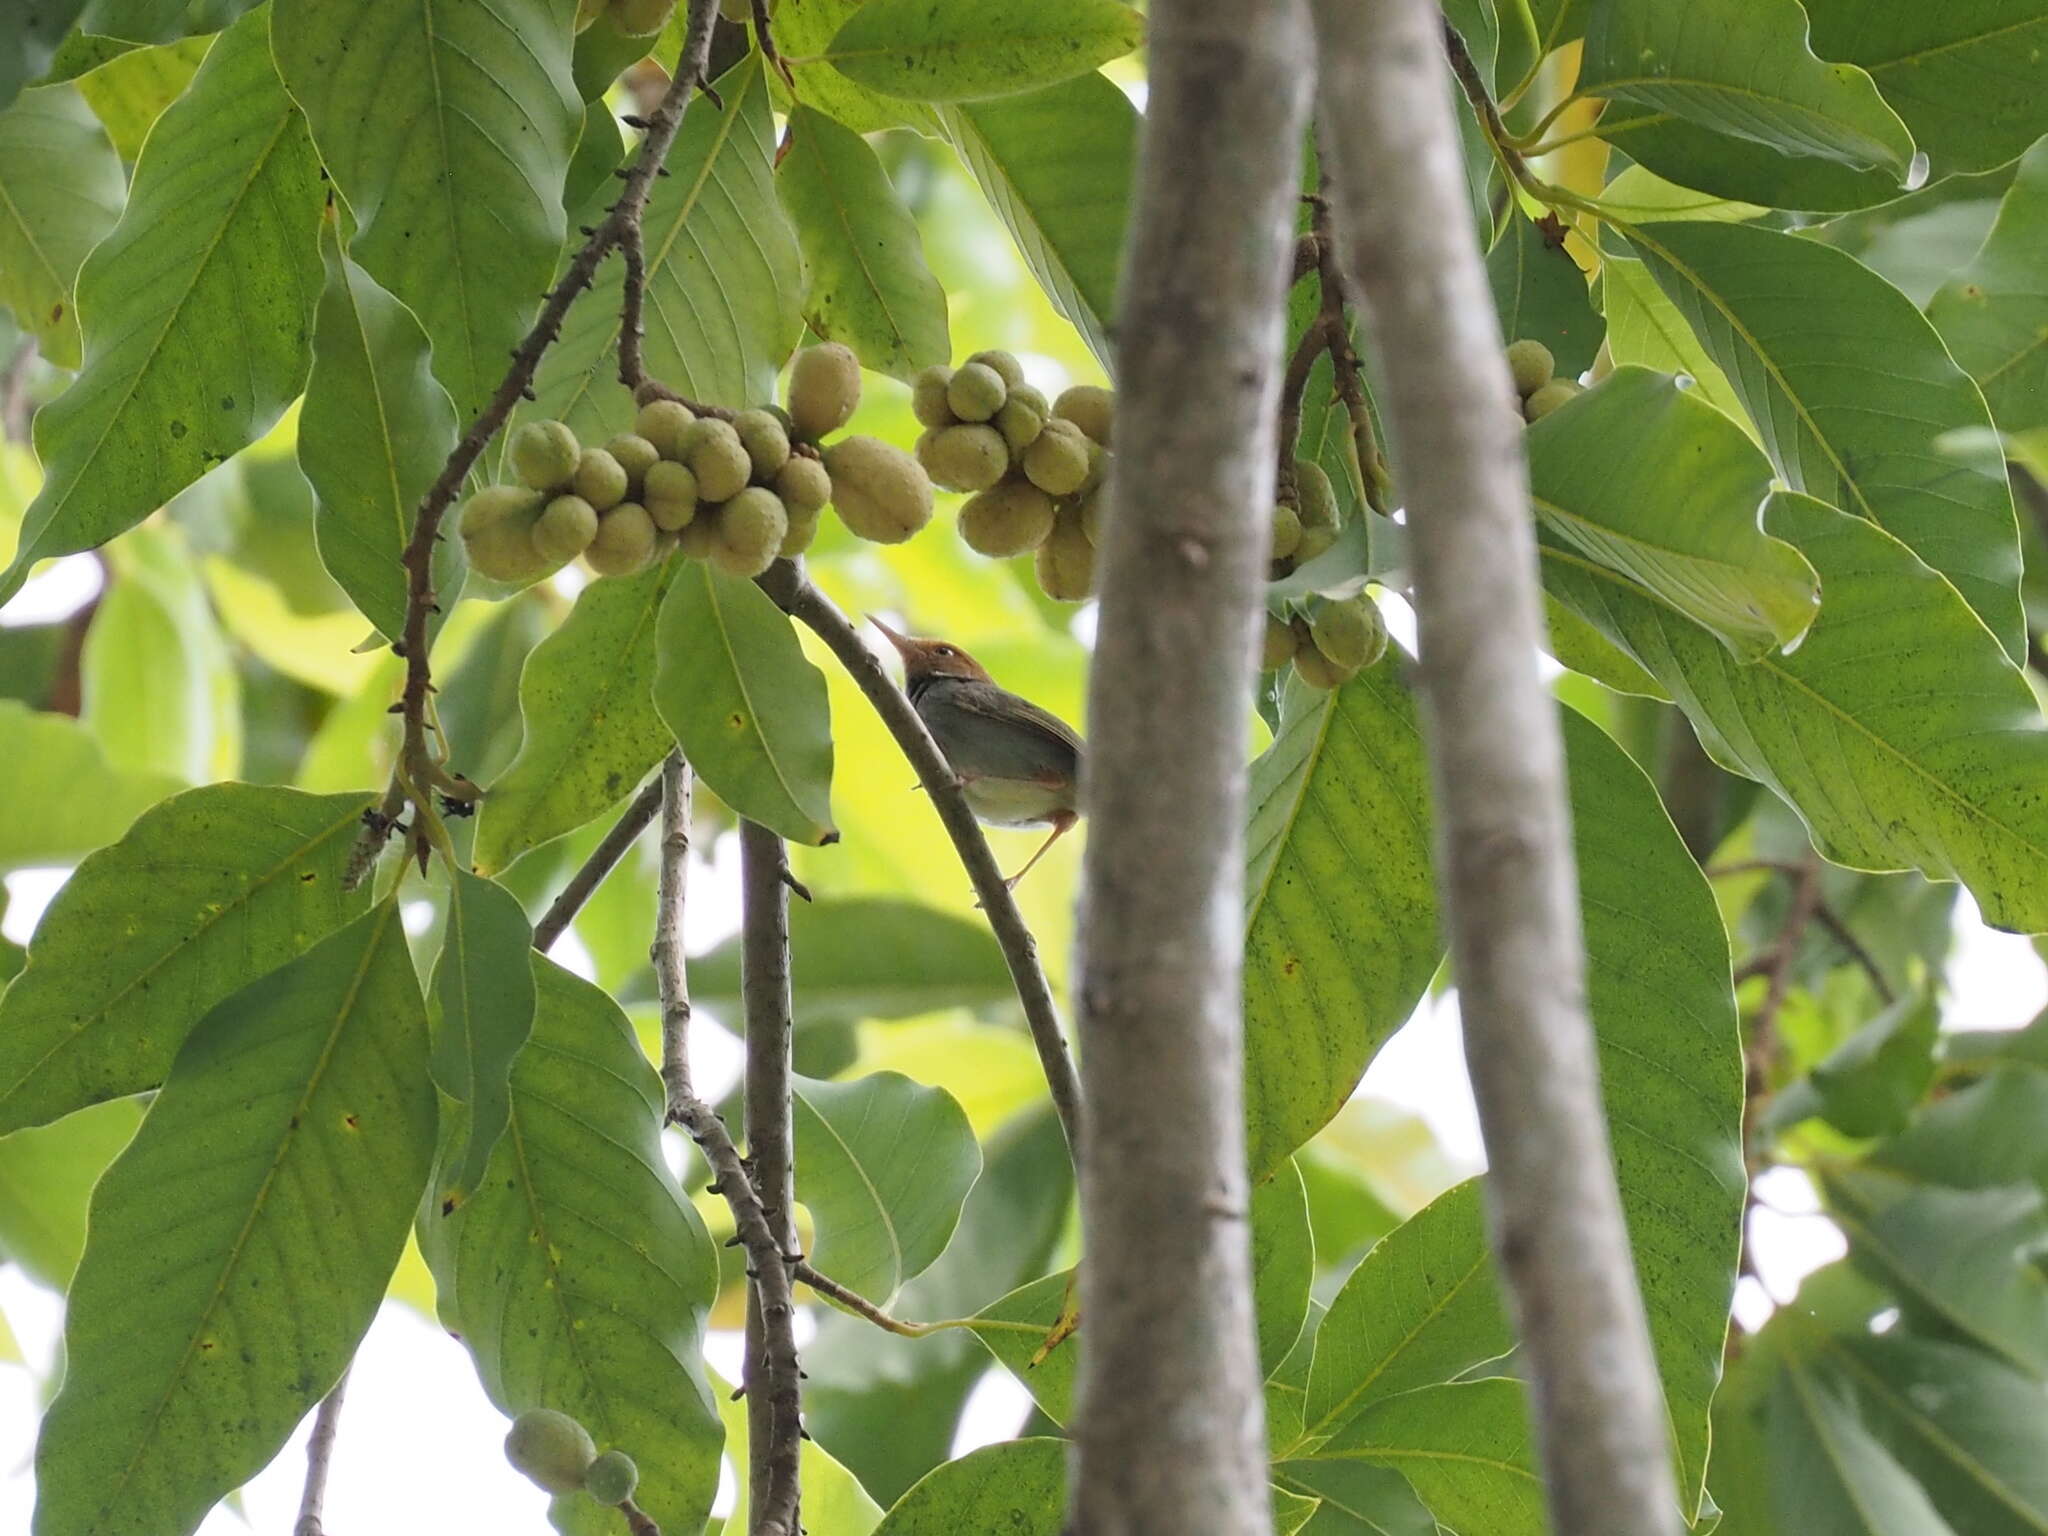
[(945, 650)]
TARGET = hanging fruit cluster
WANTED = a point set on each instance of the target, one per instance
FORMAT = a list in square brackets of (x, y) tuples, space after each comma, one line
[(1036, 470), (1536, 381), (1330, 644), (557, 1452), (1306, 526)]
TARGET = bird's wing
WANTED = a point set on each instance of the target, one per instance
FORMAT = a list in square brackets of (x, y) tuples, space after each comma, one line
[(988, 701)]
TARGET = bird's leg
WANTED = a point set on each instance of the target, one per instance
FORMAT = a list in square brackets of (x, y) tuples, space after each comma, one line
[(1061, 824)]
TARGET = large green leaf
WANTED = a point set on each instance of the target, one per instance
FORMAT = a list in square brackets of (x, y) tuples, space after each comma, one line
[(1833, 1477), (1018, 1487), (835, 1502), (870, 287), (883, 1165), (448, 130), (803, 31), (46, 1179), (591, 730), (128, 94), (747, 709), (158, 21), (197, 307), (725, 278), (1283, 1264), (63, 800), (240, 1246), (1677, 513), (209, 891), (961, 50), (1898, 730), (1357, 1498), (29, 45), (1850, 387), (1740, 67), (482, 1014), (1644, 327), (61, 189), (576, 1275), (1994, 312), (373, 434), (1541, 294), (1464, 1446), (1056, 165)]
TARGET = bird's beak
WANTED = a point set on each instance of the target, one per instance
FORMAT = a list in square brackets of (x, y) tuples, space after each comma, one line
[(902, 643)]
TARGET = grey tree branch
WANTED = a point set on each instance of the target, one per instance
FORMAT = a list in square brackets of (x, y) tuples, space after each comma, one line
[(808, 606), (672, 981), (603, 859), (1169, 1432), (1497, 766), (319, 1461)]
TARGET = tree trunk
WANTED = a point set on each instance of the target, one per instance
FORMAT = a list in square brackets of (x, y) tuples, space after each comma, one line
[(1169, 1435), (1497, 765)]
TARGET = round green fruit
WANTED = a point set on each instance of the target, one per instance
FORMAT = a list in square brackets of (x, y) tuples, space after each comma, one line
[(670, 495), (803, 528), (803, 484), (719, 460), (1058, 462), (1089, 407), (1547, 399), (1531, 365), (1286, 531), (1066, 560), (751, 528), (928, 396), (882, 493), (1278, 645), (1350, 633), (624, 542), (1318, 671), (765, 440), (564, 529), (1005, 365), (969, 457), (1011, 518), (551, 1448), (663, 423), (977, 392), (636, 456), (600, 479), (544, 454), (611, 1478), (1317, 498), (824, 389)]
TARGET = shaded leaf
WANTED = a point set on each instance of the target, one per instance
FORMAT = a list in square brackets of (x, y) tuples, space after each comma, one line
[(1283, 1264), (27, 49), (1869, 1083), (1994, 312), (62, 799), (1018, 1487), (1357, 1499), (482, 1013), (158, 21), (960, 50), (1541, 294), (1465, 1448), (61, 190), (1847, 1485), (1644, 327), (46, 1179)]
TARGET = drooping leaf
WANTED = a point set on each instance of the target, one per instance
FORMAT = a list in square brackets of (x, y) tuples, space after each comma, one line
[(747, 709), (1849, 1484), (591, 731), (128, 94), (1018, 1487), (576, 1275), (210, 890), (1056, 165), (482, 1012), (1994, 312), (1283, 1264), (1868, 1084), (28, 47), (962, 50), (61, 190), (240, 1246), (804, 29), (1464, 1446), (448, 131), (63, 800), (870, 287), (158, 21), (374, 433), (883, 1164), (1541, 295), (46, 1179), (1850, 387), (1356, 1498), (1645, 328), (197, 308)]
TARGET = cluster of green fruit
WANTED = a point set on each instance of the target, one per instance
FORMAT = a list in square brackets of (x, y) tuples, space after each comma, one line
[(635, 18), (557, 1453), (1536, 381), (1035, 468), (1330, 644), (1307, 526)]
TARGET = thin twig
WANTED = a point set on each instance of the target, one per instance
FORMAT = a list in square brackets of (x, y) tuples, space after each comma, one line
[(638, 1521), (1473, 84), (1838, 928), (1777, 957), (860, 1306), (1761, 1046), (319, 1458), (603, 859), (419, 773), (764, 39), (672, 981), (810, 607)]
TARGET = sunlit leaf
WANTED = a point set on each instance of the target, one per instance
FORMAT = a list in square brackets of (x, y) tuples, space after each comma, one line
[(1994, 312), (1465, 1447), (1283, 1264), (61, 190), (1357, 1499), (63, 800), (46, 1179), (1018, 1487), (803, 31), (129, 94), (959, 50), (482, 1012)]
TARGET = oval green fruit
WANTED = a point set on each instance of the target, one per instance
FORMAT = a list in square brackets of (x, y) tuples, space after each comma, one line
[(928, 396), (663, 423), (1531, 365), (1008, 519), (624, 542), (611, 1478), (767, 444), (751, 528), (551, 1448), (977, 392), (803, 484), (564, 529), (824, 389), (544, 454), (969, 457), (882, 493), (1089, 407), (669, 493), (1058, 462)]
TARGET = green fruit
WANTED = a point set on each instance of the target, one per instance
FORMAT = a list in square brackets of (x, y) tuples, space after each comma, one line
[(600, 479), (766, 442), (663, 423), (1318, 671), (544, 454), (1058, 462), (493, 504), (1005, 364), (565, 528), (636, 456), (964, 458), (751, 528), (1020, 421), (1351, 633), (977, 392), (670, 495), (497, 533), (1317, 505), (611, 1478), (1094, 508), (803, 528), (697, 538), (642, 18), (824, 389), (1550, 397), (1098, 467), (881, 492), (551, 1448), (1089, 407), (1009, 519), (1531, 365), (1314, 542), (803, 484), (624, 542), (1278, 646), (720, 461), (1066, 560), (928, 396), (1286, 531)]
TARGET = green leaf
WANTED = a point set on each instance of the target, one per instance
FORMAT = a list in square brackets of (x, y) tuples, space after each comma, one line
[(1994, 312), (1291, 1511), (128, 94), (46, 1180), (804, 29), (1645, 328), (1677, 513), (1846, 1484), (1869, 1083), (576, 1275), (747, 709), (1897, 730), (1283, 1264), (449, 132), (1014, 1329), (1056, 165), (1018, 1487), (725, 278), (1357, 1499), (1740, 67), (61, 190), (1850, 387), (373, 435), (962, 50), (1541, 295), (883, 1164), (209, 891), (62, 799), (1465, 1448), (835, 1502), (197, 307), (1422, 1308), (599, 152), (870, 287), (482, 1012), (591, 731), (240, 1246), (158, 21)]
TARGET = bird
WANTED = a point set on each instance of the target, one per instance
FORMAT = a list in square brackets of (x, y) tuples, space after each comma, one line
[(1018, 765)]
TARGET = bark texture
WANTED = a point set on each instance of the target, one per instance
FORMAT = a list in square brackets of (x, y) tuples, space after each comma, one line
[(1504, 859), (1169, 1436)]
